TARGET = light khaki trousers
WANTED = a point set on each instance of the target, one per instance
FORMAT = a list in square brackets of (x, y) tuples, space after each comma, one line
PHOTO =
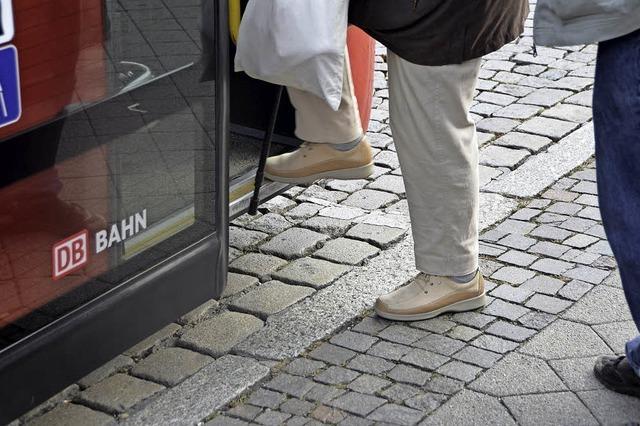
[(437, 147)]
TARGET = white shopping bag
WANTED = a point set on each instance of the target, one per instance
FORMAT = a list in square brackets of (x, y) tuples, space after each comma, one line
[(296, 43)]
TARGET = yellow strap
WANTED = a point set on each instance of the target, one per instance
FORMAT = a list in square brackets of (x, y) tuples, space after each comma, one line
[(235, 14)]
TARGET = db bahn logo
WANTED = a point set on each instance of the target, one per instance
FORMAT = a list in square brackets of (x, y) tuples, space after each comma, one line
[(70, 255)]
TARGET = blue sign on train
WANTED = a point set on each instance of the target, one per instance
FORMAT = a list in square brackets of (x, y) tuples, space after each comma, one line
[(10, 104)]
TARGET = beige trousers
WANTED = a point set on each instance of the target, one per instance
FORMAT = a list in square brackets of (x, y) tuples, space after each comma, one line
[(437, 147)]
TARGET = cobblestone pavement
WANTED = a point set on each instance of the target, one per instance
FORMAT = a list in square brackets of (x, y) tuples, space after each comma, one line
[(292, 340)]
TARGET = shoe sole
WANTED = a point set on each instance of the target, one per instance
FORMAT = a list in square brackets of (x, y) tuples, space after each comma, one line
[(362, 172), (631, 391), (462, 306)]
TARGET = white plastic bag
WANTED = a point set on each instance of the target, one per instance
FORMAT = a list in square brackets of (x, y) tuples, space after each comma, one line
[(296, 43)]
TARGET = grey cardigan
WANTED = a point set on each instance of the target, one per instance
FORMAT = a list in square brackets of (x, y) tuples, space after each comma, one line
[(575, 22)]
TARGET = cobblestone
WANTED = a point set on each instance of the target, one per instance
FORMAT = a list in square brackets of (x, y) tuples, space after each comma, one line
[(170, 366), (257, 264), (293, 243), (218, 335), (119, 393), (369, 199), (311, 272), (347, 251), (270, 298), (381, 236)]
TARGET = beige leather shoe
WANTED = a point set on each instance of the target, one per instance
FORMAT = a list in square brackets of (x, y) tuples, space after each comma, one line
[(428, 296), (314, 161)]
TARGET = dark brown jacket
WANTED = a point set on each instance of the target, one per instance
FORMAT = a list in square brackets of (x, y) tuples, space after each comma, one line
[(440, 32)]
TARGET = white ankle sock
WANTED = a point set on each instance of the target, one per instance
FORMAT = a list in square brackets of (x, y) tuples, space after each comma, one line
[(349, 145), (464, 279)]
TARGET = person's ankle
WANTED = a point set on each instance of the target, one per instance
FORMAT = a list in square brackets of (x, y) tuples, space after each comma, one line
[(464, 279), (349, 145)]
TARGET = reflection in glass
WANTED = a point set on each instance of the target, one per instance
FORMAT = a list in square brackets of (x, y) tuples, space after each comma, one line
[(118, 122)]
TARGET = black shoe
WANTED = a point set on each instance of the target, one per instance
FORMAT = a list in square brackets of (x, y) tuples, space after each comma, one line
[(617, 375)]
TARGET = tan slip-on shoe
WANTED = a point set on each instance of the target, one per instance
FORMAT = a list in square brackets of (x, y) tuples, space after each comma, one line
[(428, 296), (314, 161)]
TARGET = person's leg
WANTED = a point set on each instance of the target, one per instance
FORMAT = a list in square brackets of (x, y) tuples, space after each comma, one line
[(616, 112), (334, 145), (438, 151)]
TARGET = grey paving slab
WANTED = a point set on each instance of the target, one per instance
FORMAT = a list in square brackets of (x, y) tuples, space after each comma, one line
[(480, 357), (498, 156), (464, 333), (513, 275), (511, 294), (564, 339), (388, 350), (220, 334), (548, 127), (506, 310), (170, 366), (548, 304), (119, 393), (459, 371), (357, 403), (575, 289), (518, 374), (588, 274), (602, 305), (368, 384), (440, 344), (518, 258), (402, 334), (617, 334), (410, 375), (270, 298), (424, 359), (540, 172), (354, 341), (326, 414), (396, 414), (550, 409), (577, 373), (543, 284), (575, 113), (370, 364), (510, 331), (533, 143), (294, 386), (494, 344), (297, 407), (202, 394), (627, 409), (470, 408)]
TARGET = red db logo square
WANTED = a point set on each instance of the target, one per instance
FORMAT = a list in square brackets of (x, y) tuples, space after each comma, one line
[(70, 254)]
